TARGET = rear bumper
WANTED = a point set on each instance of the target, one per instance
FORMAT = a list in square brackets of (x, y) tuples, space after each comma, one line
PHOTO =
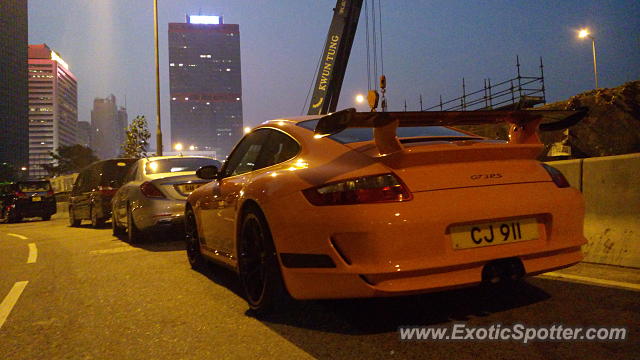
[(405, 248), (47, 208), (159, 214), (318, 285)]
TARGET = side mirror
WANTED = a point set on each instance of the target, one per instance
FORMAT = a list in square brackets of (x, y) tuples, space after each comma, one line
[(208, 172)]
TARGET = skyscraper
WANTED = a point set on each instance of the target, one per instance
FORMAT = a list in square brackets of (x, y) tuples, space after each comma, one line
[(53, 106), (14, 136), (83, 136), (205, 84), (108, 123)]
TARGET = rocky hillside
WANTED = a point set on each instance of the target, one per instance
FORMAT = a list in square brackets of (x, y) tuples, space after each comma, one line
[(612, 126)]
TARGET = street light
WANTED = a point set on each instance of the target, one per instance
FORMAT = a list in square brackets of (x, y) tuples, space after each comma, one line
[(247, 129), (155, 34), (359, 98), (583, 33), (178, 147)]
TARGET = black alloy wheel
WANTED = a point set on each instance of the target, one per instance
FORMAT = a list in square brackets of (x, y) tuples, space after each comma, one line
[(73, 222), (196, 260), (259, 270)]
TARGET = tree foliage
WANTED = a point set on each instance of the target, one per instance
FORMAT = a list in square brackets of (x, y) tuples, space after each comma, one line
[(7, 172), (70, 159), (137, 141)]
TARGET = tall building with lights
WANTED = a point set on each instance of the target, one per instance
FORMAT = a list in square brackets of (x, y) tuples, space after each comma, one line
[(53, 106), (108, 123), (205, 84), (14, 121)]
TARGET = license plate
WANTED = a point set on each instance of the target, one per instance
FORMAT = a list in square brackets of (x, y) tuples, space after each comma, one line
[(188, 188), (494, 233), (36, 198)]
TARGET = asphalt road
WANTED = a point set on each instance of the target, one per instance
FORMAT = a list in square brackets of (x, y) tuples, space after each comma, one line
[(90, 295)]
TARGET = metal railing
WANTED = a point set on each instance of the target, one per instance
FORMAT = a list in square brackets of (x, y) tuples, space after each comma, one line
[(517, 93)]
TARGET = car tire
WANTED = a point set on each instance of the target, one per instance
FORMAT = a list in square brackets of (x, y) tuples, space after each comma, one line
[(73, 222), (116, 229), (196, 260), (259, 269), (134, 235), (96, 222), (12, 217)]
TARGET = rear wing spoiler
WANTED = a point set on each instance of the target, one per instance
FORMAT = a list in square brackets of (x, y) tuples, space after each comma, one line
[(524, 124)]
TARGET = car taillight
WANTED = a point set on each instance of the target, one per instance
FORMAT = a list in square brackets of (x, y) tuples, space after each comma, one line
[(369, 189), (557, 176), (50, 193), (20, 194), (151, 191), (107, 190)]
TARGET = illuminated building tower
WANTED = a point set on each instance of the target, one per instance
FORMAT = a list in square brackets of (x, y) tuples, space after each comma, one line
[(53, 106), (108, 123), (205, 84), (14, 123)]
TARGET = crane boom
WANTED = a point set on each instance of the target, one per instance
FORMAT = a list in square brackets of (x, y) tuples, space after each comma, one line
[(335, 56)]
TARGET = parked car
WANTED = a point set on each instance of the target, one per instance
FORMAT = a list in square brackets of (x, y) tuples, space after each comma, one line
[(23, 199), (91, 195), (154, 194), (319, 207)]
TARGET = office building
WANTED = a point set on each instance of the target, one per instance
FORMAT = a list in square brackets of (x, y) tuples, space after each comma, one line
[(205, 84), (14, 108), (53, 106), (108, 123), (83, 135)]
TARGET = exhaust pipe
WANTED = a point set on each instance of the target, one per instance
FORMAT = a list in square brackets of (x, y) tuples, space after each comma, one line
[(503, 270)]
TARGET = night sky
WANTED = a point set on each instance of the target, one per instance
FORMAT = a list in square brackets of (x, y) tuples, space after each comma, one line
[(429, 46)]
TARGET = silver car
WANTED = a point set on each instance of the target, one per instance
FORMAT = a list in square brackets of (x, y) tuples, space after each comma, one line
[(154, 193)]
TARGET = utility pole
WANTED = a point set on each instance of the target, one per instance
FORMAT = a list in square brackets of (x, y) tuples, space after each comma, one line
[(159, 124)]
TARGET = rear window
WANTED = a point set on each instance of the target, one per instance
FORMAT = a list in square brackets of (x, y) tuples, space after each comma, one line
[(352, 135), (34, 186), (178, 165), (113, 172)]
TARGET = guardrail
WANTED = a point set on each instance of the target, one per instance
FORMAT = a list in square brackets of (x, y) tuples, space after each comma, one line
[(611, 189)]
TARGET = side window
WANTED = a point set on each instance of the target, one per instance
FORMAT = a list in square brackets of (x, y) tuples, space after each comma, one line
[(80, 183), (131, 174), (278, 148), (244, 157)]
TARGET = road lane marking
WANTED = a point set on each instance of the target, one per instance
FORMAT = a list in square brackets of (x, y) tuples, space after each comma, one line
[(33, 253), (114, 250), (18, 236), (595, 281), (10, 300)]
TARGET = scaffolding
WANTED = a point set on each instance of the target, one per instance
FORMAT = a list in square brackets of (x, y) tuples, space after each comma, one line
[(521, 92)]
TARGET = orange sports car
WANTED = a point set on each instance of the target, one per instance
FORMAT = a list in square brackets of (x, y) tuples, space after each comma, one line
[(378, 204)]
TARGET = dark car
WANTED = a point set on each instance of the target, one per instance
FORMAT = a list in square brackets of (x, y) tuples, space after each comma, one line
[(93, 190), (23, 199)]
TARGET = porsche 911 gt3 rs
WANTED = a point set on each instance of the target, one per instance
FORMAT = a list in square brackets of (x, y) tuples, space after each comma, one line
[(380, 204)]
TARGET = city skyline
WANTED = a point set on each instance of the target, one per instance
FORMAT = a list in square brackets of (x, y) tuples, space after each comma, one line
[(428, 49)]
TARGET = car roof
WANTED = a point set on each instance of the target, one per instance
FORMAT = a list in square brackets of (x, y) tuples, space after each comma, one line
[(155, 158)]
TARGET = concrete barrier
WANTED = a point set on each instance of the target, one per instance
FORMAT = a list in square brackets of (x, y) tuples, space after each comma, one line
[(611, 188), (572, 170)]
